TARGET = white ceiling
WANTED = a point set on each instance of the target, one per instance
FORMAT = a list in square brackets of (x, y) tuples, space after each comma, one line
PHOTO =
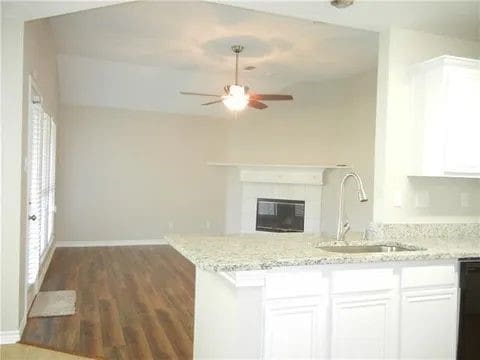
[(455, 18), (181, 45), (196, 36)]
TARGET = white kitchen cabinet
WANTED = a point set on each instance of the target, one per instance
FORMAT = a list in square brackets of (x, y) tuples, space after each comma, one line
[(363, 313), (428, 324), (446, 114), (428, 307), (363, 326), (401, 310), (293, 328), (295, 314)]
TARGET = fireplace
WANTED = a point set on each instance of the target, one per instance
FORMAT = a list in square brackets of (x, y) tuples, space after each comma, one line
[(280, 215), (255, 192)]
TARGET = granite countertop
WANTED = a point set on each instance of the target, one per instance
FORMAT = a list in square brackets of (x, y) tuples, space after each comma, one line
[(266, 251)]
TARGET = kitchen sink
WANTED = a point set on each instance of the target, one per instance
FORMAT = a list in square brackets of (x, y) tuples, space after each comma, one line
[(357, 249)]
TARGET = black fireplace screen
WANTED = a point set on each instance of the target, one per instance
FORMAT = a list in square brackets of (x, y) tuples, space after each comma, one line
[(276, 215)]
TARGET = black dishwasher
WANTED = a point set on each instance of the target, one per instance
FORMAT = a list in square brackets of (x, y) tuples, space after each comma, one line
[(469, 325)]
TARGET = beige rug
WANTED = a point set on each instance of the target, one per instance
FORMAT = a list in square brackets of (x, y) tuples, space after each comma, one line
[(54, 303)]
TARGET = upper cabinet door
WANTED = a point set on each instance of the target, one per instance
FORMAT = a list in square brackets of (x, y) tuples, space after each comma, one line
[(462, 108), (446, 112)]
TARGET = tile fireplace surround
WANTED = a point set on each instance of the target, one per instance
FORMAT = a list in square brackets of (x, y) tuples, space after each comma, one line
[(311, 194), (246, 183)]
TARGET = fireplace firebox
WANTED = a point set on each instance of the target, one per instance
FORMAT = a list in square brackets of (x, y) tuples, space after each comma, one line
[(278, 215)]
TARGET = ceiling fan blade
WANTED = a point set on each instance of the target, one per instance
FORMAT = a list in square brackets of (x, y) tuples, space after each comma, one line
[(198, 94), (269, 97), (257, 104), (212, 102)]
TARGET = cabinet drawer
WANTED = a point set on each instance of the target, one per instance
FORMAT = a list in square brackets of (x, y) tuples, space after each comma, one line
[(348, 281), (296, 284), (432, 275)]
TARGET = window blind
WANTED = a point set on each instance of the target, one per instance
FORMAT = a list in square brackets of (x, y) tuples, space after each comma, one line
[(41, 191), (34, 192), (52, 187), (45, 182)]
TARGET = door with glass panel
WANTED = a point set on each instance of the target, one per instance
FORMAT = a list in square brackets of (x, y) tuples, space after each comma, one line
[(41, 188)]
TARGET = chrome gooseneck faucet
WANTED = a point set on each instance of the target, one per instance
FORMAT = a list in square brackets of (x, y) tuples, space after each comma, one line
[(343, 225)]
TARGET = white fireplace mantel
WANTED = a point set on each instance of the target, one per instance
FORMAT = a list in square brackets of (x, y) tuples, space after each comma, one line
[(280, 173)]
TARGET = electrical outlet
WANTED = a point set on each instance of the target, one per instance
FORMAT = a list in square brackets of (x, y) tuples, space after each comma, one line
[(170, 226), (465, 200)]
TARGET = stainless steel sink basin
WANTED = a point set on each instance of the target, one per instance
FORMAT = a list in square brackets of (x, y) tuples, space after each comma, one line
[(356, 249)]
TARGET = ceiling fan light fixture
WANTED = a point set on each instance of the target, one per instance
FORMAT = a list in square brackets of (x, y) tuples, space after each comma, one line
[(236, 99)]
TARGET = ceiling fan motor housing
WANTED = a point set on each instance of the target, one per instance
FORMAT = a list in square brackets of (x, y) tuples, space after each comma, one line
[(341, 4), (237, 49)]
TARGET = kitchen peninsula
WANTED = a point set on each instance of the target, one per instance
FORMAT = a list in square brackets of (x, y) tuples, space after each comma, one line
[(283, 296)]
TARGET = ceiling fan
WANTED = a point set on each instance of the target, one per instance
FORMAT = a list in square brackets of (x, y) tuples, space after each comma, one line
[(236, 97)]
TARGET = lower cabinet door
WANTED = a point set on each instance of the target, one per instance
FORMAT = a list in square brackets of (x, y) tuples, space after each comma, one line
[(428, 325), (295, 328), (364, 326)]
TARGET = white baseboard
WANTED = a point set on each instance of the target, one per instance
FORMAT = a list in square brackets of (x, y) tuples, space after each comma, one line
[(9, 337), (23, 323), (79, 243), (13, 336)]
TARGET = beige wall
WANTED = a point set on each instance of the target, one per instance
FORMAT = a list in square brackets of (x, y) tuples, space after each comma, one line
[(332, 122), (395, 127), (136, 175), (11, 132)]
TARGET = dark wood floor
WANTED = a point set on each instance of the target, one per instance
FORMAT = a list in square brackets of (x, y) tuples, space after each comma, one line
[(132, 303)]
